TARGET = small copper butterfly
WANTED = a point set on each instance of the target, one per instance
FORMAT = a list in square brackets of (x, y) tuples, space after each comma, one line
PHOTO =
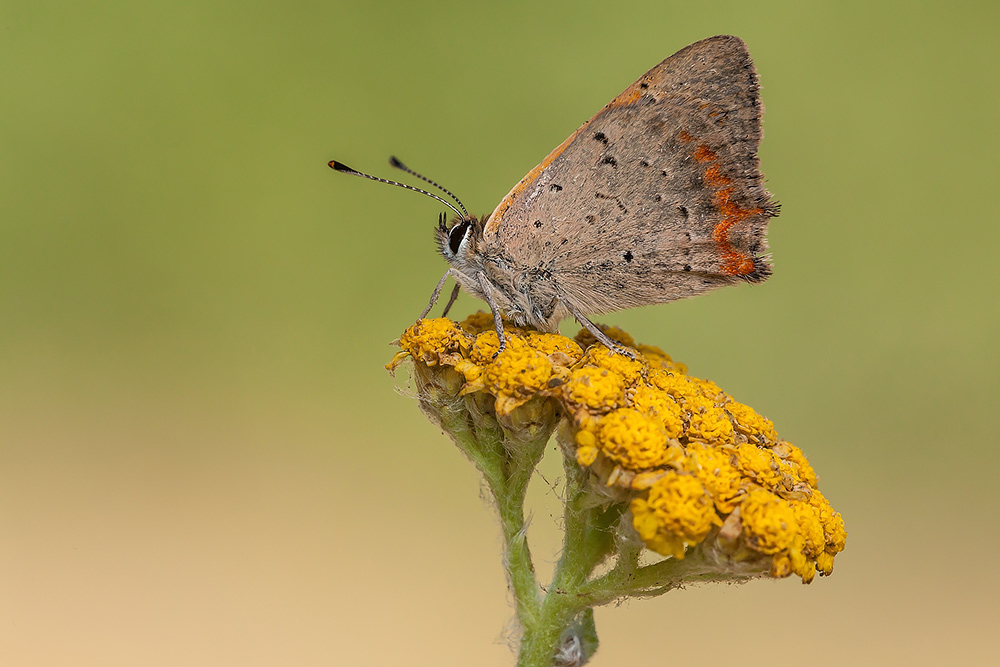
[(657, 197)]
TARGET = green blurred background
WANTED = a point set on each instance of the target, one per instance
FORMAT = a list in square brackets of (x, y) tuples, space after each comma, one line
[(202, 460)]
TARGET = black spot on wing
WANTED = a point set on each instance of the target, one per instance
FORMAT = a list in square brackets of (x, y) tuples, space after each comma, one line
[(555, 188), (600, 136), (628, 255), (617, 200)]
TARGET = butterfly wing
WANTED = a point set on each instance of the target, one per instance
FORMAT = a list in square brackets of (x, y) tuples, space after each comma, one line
[(657, 197)]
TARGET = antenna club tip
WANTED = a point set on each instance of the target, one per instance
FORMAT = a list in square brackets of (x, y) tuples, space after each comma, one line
[(395, 162), (339, 166)]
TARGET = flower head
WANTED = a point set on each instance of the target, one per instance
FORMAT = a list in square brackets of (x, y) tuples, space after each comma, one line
[(694, 467), (676, 511)]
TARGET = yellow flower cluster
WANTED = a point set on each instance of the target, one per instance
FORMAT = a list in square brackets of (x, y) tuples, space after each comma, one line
[(693, 464)]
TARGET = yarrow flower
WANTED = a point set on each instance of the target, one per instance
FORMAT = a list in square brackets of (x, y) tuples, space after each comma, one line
[(663, 461)]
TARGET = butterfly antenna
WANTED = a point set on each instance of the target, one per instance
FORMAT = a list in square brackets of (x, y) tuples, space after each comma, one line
[(394, 161), (340, 166)]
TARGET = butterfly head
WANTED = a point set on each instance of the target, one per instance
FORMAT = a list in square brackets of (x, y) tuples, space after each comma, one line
[(458, 240)]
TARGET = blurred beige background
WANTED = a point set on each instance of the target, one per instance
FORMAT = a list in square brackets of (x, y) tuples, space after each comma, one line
[(202, 461)]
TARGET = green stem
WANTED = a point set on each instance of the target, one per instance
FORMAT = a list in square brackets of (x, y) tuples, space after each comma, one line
[(506, 463), (517, 557), (666, 575), (586, 542), (509, 487)]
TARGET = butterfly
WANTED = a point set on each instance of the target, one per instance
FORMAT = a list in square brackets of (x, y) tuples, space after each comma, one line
[(658, 197)]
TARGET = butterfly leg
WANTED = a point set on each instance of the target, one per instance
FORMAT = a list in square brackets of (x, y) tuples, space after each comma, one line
[(451, 301), (486, 287), (601, 337), (437, 293)]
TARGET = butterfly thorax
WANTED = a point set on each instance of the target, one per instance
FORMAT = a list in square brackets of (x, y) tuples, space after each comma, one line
[(524, 295)]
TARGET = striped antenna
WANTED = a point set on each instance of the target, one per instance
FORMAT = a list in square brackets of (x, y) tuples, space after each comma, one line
[(340, 166), (394, 161)]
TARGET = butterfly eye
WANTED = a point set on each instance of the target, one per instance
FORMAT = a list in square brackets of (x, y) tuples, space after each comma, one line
[(456, 235)]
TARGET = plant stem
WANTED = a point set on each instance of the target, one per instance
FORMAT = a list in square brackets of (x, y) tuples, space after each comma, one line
[(664, 576), (586, 541), (506, 464), (509, 493)]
